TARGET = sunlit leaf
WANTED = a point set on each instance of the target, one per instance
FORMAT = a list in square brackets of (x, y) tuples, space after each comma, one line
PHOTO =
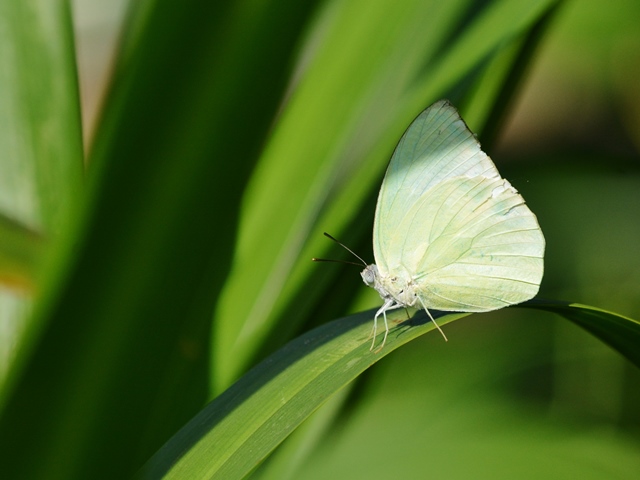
[(235, 432)]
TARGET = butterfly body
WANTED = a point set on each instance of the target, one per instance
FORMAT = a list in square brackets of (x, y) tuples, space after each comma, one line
[(399, 288)]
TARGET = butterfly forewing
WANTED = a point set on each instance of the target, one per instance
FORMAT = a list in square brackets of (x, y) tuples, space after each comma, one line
[(436, 146)]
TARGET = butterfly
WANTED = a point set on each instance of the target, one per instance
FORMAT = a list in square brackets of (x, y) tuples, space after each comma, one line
[(450, 233)]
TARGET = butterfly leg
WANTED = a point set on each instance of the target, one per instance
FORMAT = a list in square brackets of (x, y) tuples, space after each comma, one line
[(386, 329), (433, 320), (388, 305), (374, 330)]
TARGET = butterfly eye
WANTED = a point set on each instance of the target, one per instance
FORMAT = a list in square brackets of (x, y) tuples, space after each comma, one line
[(369, 276)]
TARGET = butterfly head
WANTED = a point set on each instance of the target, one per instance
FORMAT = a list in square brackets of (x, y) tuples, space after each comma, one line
[(370, 275)]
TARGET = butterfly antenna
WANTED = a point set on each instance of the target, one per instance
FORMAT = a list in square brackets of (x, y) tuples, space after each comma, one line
[(346, 248), (314, 259)]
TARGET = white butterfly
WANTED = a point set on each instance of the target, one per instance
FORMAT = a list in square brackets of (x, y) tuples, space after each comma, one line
[(450, 233)]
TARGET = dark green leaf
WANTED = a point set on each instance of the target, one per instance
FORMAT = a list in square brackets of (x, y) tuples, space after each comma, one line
[(118, 357), (619, 332)]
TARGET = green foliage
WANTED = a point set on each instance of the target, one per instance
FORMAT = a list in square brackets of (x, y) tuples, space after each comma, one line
[(233, 134), (253, 416)]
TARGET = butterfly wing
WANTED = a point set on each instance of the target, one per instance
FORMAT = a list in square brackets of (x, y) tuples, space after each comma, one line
[(436, 146), (447, 218)]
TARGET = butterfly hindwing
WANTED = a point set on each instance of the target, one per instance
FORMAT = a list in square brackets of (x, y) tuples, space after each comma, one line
[(485, 251)]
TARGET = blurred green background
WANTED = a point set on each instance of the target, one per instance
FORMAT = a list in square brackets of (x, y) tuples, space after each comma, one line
[(220, 141)]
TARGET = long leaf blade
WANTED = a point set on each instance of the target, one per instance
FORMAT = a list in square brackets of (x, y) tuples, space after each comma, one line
[(244, 424), (619, 332), (235, 432), (119, 358)]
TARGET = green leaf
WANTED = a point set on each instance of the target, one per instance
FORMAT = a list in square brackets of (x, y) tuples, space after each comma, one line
[(40, 133), (41, 157), (117, 358), (513, 394), (619, 332), (41, 162), (178, 222), (492, 97), (330, 151), (21, 252), (236, 431), (245, 423)]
